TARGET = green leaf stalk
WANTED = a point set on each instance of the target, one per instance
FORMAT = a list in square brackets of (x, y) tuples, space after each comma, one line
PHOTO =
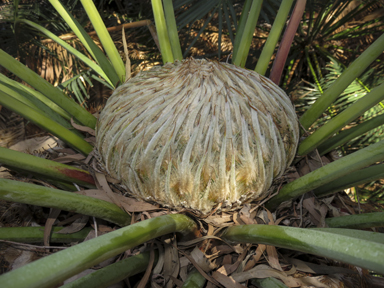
[(329, 173), (113, 273), (36, 235), (350, 74), (54, 94), (357, 221), (273, 37), (71, 261), (45, 167), (246, 37), (362, 253), (87, 41), (105, 38), (71, 138), (21, 192), (162, 31), (353, 179), (340, 120)]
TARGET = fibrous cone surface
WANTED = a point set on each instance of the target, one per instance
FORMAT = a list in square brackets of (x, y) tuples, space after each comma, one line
[(196, 133)]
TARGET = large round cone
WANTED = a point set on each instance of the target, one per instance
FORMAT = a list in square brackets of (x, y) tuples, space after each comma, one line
[(197, 133)]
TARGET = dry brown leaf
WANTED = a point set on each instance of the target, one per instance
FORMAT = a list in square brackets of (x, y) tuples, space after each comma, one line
[(70, 219), (133, 205), (279, 220), (245, 215), (273, 258), (171, 261), (227, 260), (202, 260), (236, 218), (183, 273), (102, 184), (222, 249), (127, 60), (129, 204), (264, 271), (218, 220), (70, 158), (160, 262), (176, 282), (76, 226), (315, 282), (350, 210), (38, 144), (83, 128), (197, 240), (53, 214), (68, 151), (91, 140), (226, 281), (271, 220), (157, 214), (147, 274), (309, 204), (240, 259), (318, 269), (205, 275), (255, 258), (292, 176)]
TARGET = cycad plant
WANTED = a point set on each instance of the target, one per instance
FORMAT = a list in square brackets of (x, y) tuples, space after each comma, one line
[(336, 29), (195, 132), (354, 92)]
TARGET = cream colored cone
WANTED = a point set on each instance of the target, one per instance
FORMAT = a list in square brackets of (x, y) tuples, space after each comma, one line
[(197, 133)]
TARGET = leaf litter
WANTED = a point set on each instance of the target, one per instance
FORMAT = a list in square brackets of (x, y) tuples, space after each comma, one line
[(221, 263)]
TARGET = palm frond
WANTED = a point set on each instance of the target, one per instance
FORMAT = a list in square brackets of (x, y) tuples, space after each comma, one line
[(355, 91)]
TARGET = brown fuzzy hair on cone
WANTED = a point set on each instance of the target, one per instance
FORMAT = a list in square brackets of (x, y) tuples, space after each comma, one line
[(196, 133)]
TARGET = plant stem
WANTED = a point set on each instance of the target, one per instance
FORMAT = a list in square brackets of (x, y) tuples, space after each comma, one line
[(349, 134), (358, 221), (351, 73), (45, 167), (55, 268), (54, 94), (172, 30), (21, 192), (113, 273), (46, 105), (246, 37), (286, 42), (273, 37), (340, 120), (36, 235), (313, 70), (363, 235), (87, 41), (105, 38), (71, 138), (162, 31), (324, 244), (241, 26), (353, 179), (328, 173), (194, 280), (70, 49)]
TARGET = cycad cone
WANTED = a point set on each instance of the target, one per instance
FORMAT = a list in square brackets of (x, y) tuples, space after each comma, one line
[(197, 133)]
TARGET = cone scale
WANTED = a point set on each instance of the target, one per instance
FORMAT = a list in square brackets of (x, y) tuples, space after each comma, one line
[(196, 133)]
